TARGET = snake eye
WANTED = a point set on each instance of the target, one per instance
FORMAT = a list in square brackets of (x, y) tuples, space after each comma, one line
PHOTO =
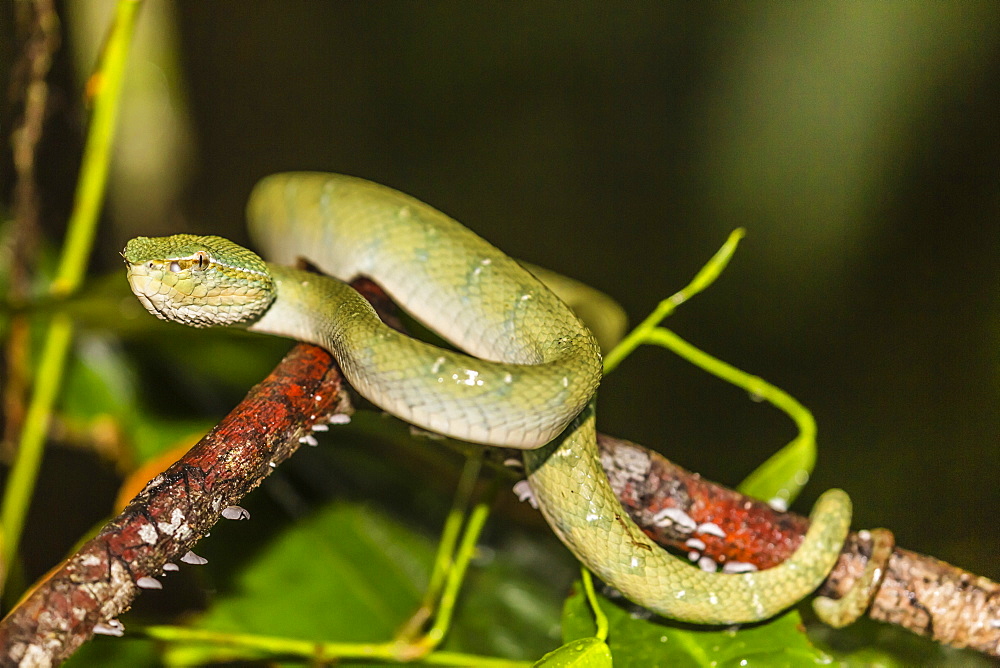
[(203, 259)]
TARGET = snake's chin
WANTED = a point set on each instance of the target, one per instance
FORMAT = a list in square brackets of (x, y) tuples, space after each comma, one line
[(151, 300)]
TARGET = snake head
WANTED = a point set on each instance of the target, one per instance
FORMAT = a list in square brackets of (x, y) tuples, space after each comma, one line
[(198, 281)]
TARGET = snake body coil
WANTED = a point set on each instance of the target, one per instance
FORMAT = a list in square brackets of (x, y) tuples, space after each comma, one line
[(529, 382)]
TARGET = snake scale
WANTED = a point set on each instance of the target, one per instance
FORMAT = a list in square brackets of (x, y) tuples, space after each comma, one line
[(528, 380)]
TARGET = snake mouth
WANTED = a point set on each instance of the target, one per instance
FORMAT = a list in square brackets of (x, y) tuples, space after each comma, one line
[(140, 281), (149, 305)]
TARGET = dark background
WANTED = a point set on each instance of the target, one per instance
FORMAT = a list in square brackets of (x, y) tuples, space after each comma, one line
[(619, 143)]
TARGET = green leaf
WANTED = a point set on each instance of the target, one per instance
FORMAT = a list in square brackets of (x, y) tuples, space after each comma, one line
[(347, 574), (640, 642), (351, 574), (510, 605), (583, 653), (783, 475)]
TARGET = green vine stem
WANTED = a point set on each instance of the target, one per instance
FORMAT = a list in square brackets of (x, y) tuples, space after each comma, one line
[(320, 652), (600, 619), (456, 575), (783, 475), (445, 559), (72, 266), (704, 278)]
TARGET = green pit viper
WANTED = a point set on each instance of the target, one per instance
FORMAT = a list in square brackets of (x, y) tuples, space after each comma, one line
[(528, 381)]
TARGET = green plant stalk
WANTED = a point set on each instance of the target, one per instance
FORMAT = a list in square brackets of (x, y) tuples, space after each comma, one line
[(466, 550), (90, 189), (82, 225), (321, 652), (784, 474), (445, 557), (704, 278), (600, 619), (21, 482), (803, 446)]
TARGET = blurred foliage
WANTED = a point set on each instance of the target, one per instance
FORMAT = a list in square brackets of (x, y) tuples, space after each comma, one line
[(856, 142)]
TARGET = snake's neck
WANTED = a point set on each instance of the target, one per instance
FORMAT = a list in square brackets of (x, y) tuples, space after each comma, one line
[(444, 391), (309, 307)]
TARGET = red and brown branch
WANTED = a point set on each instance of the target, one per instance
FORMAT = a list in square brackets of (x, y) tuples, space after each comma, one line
[(920, 593), (173, 512)]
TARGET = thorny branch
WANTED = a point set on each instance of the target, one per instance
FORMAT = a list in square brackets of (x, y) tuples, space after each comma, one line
[(89, 590), (176, 509)]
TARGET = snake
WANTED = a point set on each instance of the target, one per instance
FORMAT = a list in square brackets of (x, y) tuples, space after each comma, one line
[(860, 595), (523, 374)]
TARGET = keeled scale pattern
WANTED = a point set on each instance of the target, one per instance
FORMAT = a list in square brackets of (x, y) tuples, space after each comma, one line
[(539, 369)]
